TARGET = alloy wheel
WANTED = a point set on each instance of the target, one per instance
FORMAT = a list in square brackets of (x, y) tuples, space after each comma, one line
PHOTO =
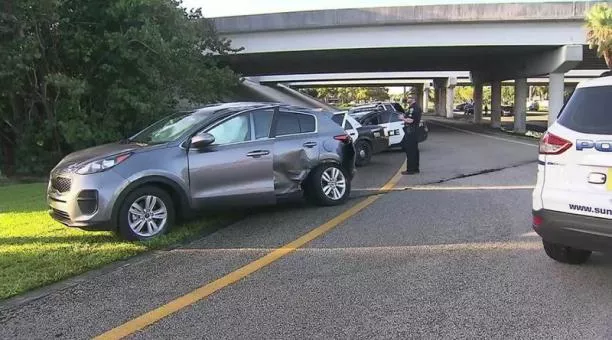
[(333, 183), (147, 216)]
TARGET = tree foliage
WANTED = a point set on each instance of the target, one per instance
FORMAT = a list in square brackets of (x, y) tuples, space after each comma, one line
[(353, 94), (75, 73), (599, 30)]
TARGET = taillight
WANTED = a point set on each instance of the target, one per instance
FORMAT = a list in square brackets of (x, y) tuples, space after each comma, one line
[(553, 145), (537, 220), (343, 138)]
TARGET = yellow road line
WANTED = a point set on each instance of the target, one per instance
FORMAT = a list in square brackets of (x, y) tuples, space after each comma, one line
[(450, 188), (188, 299)]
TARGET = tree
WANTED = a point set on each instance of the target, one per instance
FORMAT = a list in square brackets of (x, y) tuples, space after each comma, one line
[(507, 95), (599, 31), (350, 94), (464, 93), (75, 73)]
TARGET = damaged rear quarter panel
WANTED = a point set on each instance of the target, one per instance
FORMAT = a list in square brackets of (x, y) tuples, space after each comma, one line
[(293, 161)]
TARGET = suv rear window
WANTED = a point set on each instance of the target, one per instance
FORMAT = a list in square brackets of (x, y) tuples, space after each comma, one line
[(589, 110)]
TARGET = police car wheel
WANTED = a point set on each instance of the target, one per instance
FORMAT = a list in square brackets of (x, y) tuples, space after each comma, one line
[(364, 153), (328, 185), (565, 254)]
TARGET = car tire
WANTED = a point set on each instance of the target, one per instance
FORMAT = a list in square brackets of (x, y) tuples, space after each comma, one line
[(146, 213), (317, 185), (364, 153), (566, 254)]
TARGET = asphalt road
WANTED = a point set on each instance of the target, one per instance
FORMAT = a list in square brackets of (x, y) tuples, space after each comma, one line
[(458, 260)]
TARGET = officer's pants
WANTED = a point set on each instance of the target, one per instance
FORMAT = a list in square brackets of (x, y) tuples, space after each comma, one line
[(410, 144)]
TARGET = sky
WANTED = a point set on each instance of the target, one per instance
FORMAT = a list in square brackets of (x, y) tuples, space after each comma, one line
[(216, 8)]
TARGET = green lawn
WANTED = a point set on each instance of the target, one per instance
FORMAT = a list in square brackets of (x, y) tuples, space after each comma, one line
[(35, 250)]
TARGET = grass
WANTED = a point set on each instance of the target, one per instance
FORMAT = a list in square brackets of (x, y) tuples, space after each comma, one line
[(36, 251)]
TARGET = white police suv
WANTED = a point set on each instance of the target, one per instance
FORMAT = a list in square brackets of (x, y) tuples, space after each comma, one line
[(572, 201)]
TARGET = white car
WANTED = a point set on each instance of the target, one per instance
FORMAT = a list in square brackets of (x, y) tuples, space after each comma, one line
[(572, 200), (368, 140)]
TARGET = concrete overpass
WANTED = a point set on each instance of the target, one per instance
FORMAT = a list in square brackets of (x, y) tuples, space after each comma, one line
[(494, 42)]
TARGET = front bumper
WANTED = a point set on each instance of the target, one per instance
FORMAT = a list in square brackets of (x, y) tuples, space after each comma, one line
[(577, 231), (87, 202)]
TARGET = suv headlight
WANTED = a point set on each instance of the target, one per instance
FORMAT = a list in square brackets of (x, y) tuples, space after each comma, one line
[(102, 164)]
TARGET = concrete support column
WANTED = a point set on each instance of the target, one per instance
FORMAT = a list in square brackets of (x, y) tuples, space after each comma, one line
[(442, 101), (496, 104), (477, 103), (450, 100), (419, 95), (425, 99), (555, 95), (520, 105), (440, 96)]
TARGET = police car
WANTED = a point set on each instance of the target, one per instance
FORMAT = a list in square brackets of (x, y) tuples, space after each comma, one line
[(388, 118), (572, 200), (368, 140)]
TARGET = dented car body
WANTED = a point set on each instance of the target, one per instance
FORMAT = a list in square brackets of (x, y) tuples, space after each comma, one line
[(235, 154)]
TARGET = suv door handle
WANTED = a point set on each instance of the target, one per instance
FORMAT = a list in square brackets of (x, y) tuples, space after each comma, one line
[(310, 144), (258, 153)]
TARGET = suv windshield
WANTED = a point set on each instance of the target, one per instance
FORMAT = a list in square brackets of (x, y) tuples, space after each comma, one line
[(169, 128), (589, 110)]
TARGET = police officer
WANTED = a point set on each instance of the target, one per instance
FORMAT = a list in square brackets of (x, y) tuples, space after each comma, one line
[(410, 142)]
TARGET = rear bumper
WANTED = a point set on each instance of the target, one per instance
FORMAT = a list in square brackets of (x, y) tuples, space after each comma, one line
[(577, 231)]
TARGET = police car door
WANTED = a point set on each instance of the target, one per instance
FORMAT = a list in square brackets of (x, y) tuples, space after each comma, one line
[(350, 127), (393, 125)]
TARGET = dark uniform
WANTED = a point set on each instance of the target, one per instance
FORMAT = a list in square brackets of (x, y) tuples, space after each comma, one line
[(410, 143)]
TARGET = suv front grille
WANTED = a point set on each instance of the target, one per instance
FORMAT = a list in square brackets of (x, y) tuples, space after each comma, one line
[(61, 184)]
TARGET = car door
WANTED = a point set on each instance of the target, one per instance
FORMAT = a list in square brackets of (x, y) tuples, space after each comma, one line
[(394, 125), (350, 126), (296, 149), (237, 168)]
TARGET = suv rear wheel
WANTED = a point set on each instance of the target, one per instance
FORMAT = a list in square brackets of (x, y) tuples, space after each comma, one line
[(147, 212), (328, 185), (566, 254)]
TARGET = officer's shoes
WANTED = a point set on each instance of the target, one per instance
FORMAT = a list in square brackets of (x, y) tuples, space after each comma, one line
[(411, 172)]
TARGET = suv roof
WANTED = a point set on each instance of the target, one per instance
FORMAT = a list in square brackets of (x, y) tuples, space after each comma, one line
[(603, 81)]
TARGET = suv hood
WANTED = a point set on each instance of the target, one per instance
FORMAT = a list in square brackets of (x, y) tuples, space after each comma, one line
[(97, 152)]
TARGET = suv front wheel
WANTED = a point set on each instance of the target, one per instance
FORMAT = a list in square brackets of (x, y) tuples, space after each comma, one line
[(566, 254), (146, 213), (328, 185)]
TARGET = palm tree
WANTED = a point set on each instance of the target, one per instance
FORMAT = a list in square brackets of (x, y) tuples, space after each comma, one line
[(599, 31)]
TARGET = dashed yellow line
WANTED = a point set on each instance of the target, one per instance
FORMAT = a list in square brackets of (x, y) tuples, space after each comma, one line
[(188, 299)]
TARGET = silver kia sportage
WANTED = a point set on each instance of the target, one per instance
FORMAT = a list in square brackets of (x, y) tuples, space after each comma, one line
[(233, 154)]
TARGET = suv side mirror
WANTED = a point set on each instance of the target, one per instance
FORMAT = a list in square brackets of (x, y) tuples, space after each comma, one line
[(202, 140)]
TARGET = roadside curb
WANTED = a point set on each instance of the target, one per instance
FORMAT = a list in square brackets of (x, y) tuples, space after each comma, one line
[(39, 293)]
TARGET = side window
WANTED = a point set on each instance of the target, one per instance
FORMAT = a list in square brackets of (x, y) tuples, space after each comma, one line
[(234, 130), (262, 122), (338, 119), (394, 116), (398, 108), (289, 123), (387, 116), (348, 125), (372, 120), (307, 123)]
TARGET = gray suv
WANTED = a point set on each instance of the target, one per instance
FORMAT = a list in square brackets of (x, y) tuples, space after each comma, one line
[(222, 155)]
